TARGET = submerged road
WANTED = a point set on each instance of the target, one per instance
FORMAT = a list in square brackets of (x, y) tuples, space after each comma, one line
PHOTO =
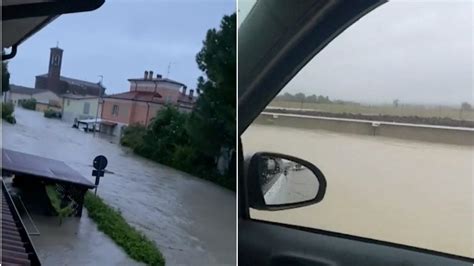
[(408, 192), (191, 220)]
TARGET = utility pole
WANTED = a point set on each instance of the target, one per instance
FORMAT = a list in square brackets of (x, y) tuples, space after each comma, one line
[(98, 103), (168, 71)]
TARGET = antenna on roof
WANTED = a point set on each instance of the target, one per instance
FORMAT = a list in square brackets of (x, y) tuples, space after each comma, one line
[(57, 44), (168, 72)]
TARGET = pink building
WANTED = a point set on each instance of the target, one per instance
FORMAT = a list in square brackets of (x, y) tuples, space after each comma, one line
[(141, 103)]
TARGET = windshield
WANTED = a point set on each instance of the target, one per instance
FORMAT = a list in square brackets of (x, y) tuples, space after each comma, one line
[(245, 6), (385, 111)]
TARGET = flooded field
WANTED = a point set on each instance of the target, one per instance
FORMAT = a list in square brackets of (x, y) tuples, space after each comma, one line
[(191, 220), (414, 193)]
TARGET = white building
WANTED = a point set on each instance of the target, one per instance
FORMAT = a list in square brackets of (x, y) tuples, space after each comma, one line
[(17, 93)]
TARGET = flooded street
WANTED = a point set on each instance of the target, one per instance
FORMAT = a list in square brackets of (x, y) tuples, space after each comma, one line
[(414, 193), (191, 220)]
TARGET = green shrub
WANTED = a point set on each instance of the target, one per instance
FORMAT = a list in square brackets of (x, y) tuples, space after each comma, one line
[(133, 136), (28, 104), (56, 202), (111, 222), (7, 112), (184, 158), (167, 141), (50, 113)]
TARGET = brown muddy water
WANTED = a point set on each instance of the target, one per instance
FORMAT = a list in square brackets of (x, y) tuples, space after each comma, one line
[(192, 221), (408, 192)]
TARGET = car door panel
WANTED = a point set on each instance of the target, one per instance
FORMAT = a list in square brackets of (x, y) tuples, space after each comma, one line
[(263, 243)]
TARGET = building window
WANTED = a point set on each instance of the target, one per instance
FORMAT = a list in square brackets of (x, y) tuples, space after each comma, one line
[(115, 110), (56, 60), (87, 107)]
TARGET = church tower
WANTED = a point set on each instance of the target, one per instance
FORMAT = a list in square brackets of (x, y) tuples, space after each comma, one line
[(54, 70), (55, 60)]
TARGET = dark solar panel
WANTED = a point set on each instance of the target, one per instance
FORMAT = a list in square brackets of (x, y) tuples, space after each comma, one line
[(23, 163)]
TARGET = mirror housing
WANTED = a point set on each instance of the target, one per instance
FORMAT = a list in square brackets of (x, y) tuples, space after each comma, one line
[(255, 188)]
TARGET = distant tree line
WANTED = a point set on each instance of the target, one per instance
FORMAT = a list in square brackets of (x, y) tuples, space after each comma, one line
[(303, 98)]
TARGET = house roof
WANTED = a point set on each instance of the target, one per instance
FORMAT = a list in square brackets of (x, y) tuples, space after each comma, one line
[(78, 97), (24, 90), (141, 96), (144, 96), (186, 99), (76, 81), (166, 80)]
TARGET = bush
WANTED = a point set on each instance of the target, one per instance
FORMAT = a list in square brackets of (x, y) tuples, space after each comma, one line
[(50, 113), (184, 158), (166, 140), (133, 136), (7, 112), (56, 202), (29, 104), (111, 222)]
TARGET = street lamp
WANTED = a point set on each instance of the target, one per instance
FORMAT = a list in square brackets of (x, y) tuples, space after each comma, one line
[(98, 103)]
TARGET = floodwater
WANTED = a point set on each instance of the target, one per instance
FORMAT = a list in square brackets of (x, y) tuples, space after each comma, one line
[(191, 220), (407, 192)]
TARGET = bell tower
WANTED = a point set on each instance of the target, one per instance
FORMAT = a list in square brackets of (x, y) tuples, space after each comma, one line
[(54, 69), (55, 60)]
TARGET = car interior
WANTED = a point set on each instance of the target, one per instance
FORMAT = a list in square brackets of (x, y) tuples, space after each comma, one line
[(276, 40)]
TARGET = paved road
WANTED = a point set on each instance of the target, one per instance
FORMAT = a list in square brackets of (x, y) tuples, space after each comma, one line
[(191, 220)]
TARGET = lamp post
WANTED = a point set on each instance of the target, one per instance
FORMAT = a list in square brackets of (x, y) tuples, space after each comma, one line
[(98, 103)]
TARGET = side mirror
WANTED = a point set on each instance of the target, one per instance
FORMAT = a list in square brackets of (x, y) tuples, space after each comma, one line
[(278, 181)]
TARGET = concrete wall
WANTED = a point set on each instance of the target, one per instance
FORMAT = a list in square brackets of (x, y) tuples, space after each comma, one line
[(74, 108), (143, 113), (439, 134), (41, 107), (48, 97), (15, 97), (124, 110)]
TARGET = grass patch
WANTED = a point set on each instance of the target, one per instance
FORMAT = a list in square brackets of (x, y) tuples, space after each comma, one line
[(111, 222)]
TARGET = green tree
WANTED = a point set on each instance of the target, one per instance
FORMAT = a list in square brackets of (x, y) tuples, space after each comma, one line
[(165, 133), (211, 126), (465, 106)]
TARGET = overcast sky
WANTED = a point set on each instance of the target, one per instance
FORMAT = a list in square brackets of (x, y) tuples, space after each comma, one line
[(416, 51), (122, 39)]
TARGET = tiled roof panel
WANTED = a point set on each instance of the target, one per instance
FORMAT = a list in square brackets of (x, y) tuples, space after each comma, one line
[(16, 247)]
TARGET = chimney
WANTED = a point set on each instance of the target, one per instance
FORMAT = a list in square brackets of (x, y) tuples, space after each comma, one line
[(150, 75), (191, 94), (184, 90), (158, 76), (146, 75)]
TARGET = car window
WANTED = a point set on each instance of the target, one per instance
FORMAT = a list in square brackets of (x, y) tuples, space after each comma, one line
[(385, 112), (245, 6)]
